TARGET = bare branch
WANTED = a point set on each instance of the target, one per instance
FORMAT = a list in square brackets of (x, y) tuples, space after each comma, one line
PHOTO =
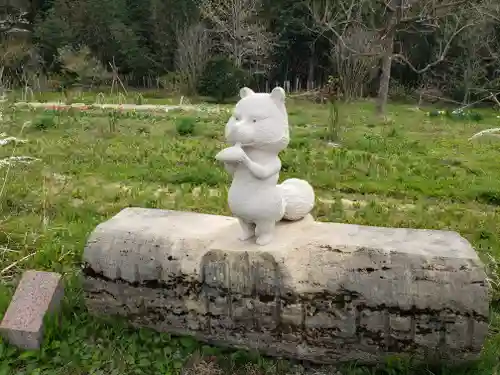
[(440, 59), (422, 16), (489, 9)]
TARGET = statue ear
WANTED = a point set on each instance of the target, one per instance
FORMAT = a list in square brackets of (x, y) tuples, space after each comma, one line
[(278, 95), (245, 91)]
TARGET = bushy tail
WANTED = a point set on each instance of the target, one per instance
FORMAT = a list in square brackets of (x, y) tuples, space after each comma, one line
[(298, 196)]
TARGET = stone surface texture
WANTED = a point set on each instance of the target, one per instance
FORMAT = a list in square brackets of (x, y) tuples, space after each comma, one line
[(322, 292), (37, 294), (257, 132)]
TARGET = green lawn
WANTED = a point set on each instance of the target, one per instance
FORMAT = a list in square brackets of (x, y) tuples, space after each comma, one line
[(409, 171)]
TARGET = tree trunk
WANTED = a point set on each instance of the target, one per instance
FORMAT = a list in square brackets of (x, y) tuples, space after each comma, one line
[(310, 73), (467, 82), (385, 77), (237, 54)]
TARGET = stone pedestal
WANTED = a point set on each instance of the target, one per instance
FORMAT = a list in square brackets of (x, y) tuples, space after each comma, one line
[(322, 292)]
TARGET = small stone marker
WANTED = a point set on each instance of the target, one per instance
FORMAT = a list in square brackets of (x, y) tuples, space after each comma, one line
[(37, 294)]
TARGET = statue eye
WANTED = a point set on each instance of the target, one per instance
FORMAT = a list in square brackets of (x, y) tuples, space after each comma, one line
[(237, 118), (254, 120)]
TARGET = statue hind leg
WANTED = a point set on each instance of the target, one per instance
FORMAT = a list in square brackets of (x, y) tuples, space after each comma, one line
[(248, 230), (264, 231)]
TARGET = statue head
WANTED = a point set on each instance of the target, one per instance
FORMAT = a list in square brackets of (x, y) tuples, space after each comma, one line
[(260, 121)]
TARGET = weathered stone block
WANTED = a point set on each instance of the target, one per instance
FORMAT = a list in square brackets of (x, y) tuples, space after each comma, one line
[(323, 292), (37, 294)]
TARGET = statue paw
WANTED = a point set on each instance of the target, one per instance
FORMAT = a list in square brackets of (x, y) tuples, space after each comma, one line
[(232, 154), (245, 236), (264, 239)]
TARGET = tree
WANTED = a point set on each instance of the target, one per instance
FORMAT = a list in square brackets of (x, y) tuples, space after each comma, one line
[(81, 66), (102, 25), (472, 70), (193, 53), (473, 56), (386, 19), (450, 44), (299, 50), (237, 29), (13, 19), (355, 69), (221, 79), (54, 31), (156, 24)]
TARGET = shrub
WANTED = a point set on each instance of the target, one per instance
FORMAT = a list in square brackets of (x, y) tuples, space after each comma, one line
[(100, 98), (221, 79), (81, 66), (139, 99), (185, 125), (333, 130), (171, 82), (399, 93), (45, 121), (113, 117)]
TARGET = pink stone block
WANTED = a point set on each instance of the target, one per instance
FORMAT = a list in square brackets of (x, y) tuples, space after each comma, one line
[(37, 294)]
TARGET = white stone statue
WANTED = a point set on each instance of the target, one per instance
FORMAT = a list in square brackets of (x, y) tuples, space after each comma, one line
[(258, 131)]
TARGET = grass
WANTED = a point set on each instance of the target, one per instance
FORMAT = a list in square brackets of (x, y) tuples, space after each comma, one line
[(410, 171)]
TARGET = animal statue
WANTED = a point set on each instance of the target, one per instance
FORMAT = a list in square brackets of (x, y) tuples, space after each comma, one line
[(257, 132)]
